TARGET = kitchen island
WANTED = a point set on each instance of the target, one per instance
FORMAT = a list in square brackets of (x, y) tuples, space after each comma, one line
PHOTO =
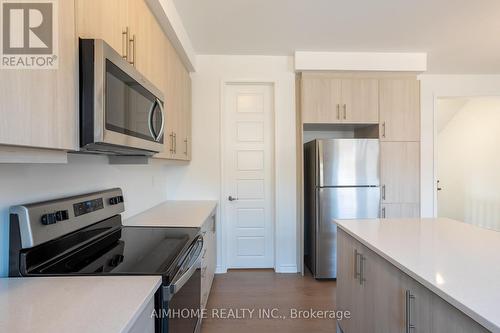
[(418, 275)]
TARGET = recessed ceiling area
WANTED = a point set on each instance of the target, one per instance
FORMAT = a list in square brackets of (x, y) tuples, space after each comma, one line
[(460, 36)]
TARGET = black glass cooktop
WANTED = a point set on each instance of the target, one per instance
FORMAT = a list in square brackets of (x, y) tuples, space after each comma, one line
[(118, 251)]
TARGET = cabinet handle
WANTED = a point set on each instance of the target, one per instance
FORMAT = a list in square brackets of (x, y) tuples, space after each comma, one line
[(186, 144), (408, 318), (345, 111), (383, 129), (213, 220), (362, 259), (125, 44), (133, 46), (338, 111), (383, 212), (383, 192), (175, 143), (172, 142), (356, 265)]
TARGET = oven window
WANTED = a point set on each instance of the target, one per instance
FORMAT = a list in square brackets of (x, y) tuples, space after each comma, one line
[(128, 105)]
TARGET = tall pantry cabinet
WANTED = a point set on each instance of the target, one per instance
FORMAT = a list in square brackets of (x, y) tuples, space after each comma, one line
[(374, 105), (399, 133)]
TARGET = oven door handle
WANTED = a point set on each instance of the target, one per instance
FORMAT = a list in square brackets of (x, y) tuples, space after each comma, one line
[(181, 281)]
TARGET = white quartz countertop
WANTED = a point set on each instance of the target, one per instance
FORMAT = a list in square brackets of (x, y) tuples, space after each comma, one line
[(457, 261), (74, 304), (174, 214)]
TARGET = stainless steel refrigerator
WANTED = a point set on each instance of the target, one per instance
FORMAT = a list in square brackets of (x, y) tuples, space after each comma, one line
[(341, 181)]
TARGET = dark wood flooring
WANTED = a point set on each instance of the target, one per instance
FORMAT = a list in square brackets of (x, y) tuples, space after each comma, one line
[(264, 289)]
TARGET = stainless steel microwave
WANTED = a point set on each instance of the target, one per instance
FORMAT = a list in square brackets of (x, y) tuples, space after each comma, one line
[(121, 112)]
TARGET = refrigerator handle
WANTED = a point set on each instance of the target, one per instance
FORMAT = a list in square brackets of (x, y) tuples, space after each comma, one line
[(320, 163)]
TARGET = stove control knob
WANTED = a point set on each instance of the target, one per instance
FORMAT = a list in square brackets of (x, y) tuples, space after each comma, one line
[(113, 201), (49, 219), (62, 215)]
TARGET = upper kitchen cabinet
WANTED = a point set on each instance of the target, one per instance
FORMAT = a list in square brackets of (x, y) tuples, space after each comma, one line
[(130, 28), (177, 135), (360, 101), (38, 106), (328, 99), (320, 100), (107, 20), (147, 43), (399, 109)]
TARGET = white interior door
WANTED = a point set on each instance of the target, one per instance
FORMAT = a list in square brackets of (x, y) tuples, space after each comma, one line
[(248, 141)]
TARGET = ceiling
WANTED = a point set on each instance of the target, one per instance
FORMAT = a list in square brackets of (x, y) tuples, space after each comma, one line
[(460, 36)]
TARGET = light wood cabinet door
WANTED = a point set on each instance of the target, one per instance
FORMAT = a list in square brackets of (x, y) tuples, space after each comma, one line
[(400, 172), (186, 117), (385, 311), (417, 305), (105, 20), (147, 43), (348, 295), (399, 109), (447, 318), (359, 101), (400, 210), (38, 108), (321, 99)]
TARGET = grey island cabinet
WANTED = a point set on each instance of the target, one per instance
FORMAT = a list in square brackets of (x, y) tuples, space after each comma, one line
[(383, 297)]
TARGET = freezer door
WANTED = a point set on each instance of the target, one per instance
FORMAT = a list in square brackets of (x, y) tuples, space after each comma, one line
[(340, 203), (348, 162)]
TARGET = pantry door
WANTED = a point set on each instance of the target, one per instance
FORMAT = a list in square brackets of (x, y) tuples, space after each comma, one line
[(248, 174)]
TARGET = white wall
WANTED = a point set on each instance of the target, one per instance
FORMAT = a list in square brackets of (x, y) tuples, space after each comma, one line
[(143, 185), (468, 162), (202, 178), (432, 87)]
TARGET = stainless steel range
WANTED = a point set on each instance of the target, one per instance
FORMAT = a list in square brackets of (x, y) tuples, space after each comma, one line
[(83, 235)]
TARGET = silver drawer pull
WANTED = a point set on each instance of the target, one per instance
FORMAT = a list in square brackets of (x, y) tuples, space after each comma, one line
[(357, 273), (409, 297), (362, 259)]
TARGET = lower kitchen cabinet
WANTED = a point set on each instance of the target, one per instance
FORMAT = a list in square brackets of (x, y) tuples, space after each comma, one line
[(383, 299), (208, 261)]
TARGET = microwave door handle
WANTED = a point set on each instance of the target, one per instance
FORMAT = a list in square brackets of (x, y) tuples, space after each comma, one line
[(181, 281), (150, 120), (162, 128)]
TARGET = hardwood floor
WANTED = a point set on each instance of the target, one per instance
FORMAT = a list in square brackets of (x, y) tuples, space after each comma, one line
[(264, 289)]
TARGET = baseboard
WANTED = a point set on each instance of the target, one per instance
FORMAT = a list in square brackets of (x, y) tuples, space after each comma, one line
[(286, 269), (220, 270), (279, 269)]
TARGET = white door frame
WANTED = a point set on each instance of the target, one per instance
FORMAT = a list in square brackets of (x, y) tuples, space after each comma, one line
[(222, 267), (435, 137)]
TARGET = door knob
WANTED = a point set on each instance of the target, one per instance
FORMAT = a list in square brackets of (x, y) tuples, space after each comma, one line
[(231, 198)]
